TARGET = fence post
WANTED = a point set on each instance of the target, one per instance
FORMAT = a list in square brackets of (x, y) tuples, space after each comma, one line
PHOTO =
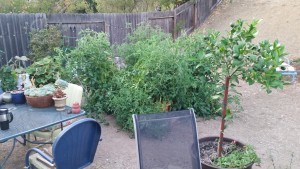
[(174, 24), (107, 31), (194, 15)]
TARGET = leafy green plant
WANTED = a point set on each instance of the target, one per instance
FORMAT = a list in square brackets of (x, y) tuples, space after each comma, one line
[(237, 57), (42, 42), (238, 158), (44, 71), (144, 39), (129, 101), (205, 84), (165, 74), (154, 75), (155, 67), (8, 78), (91, 63)]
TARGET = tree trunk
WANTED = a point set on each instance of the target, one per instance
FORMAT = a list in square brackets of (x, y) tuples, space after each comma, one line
[(223, 116)]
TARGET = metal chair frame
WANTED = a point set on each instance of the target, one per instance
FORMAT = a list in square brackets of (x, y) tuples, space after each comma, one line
[(137, 136)]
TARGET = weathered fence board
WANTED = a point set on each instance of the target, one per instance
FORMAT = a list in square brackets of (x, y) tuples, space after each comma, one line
[(15, 28), (71, 24), (14, 33)]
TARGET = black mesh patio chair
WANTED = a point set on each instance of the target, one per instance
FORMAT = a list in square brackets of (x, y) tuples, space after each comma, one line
[(167, 140)]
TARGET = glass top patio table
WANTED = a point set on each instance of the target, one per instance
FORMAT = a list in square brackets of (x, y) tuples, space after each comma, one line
[(28, 119)]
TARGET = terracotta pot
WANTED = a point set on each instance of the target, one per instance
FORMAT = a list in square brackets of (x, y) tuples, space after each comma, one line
[(40, 101), (207, 166), (75, 108), (60, 103)]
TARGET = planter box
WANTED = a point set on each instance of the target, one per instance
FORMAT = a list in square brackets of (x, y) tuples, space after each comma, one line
[(207, 166)]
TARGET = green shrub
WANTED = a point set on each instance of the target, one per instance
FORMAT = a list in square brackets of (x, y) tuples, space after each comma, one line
[(159, 72), (42, 42), (91, 62), (130, 101), (201, 94)]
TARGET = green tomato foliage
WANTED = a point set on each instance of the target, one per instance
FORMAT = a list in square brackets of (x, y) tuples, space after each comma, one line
[(161, 71), (91, 62)]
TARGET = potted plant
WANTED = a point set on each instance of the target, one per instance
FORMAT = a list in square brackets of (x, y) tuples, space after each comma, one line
[(59, 96), (8, 82), (44, 71), (43, 75), (40, 97), (18, 97), (18, 64), (235, 57)]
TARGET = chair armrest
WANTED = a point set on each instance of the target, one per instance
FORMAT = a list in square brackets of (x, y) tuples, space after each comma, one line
[(41, 153)]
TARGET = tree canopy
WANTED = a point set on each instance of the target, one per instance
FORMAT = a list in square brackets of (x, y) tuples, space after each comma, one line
[(85, 6)]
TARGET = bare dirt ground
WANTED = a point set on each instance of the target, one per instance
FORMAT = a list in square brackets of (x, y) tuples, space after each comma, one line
[(270, 122)]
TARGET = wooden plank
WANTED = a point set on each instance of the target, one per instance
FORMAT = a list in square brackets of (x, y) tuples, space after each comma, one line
[(19, 37), (174, 25), (25, 33), (109, 27), (16, 35), (21, 26), (11, 34), (3, 54), (7, 37)]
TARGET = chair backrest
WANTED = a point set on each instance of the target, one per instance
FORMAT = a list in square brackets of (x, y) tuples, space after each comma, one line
[(167, 140), (75, 147), (74, 94)]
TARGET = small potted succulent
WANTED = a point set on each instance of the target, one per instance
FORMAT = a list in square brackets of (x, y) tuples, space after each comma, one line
[(59, 96)]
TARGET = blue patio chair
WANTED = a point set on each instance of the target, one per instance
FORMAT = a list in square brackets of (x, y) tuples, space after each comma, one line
[(167, 140), (74, 147)]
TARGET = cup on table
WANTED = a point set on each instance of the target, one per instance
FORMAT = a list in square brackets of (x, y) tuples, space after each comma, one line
[(5, 118)]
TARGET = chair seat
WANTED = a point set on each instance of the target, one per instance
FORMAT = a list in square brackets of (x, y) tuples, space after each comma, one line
[(39, 162), (50, 133)]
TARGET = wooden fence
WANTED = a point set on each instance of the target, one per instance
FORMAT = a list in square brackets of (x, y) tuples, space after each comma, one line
[(15, 28)]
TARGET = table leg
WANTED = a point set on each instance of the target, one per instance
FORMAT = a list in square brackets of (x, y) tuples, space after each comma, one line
[(3, 162)]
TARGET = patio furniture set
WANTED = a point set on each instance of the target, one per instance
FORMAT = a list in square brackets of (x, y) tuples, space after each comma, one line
[(76, 145), (73, 145)]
